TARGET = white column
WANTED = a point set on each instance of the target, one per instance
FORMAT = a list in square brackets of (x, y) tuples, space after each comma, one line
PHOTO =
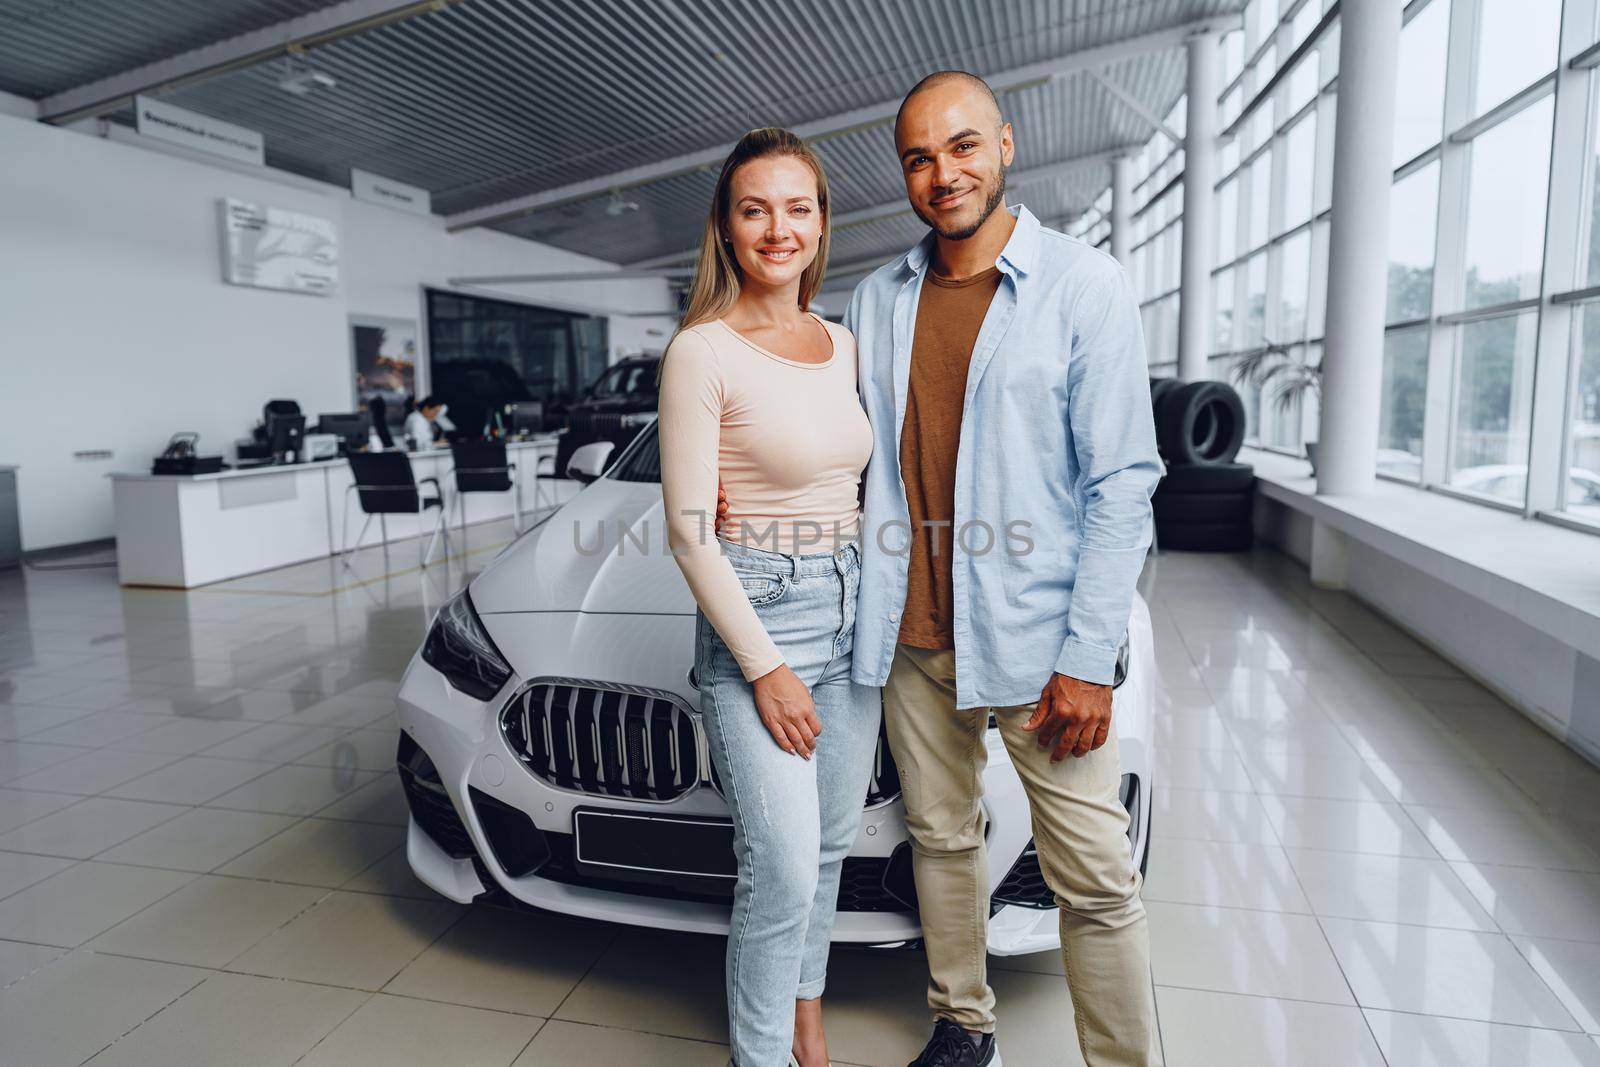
[(1199, 207), (1358, 246), (1122, 210)]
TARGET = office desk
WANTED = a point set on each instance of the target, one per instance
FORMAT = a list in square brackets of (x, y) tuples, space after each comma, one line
[(182, 531)]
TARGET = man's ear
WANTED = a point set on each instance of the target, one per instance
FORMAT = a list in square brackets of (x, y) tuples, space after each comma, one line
[(1008, 147)]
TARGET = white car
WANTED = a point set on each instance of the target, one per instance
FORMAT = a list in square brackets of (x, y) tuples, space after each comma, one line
[(551, 743)]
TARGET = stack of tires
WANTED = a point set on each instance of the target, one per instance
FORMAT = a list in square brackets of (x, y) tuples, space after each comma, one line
[(1204, 503)]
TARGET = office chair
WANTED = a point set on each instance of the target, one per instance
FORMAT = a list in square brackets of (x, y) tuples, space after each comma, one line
[(385, 485), (482, 467)]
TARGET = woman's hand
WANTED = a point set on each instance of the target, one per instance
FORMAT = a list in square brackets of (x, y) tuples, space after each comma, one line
[(786, 708)]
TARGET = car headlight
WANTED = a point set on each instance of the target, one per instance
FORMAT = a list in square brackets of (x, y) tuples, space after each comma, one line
[(459, 648), (634, 421)]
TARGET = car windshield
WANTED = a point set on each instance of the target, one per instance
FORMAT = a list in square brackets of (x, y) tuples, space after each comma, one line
[(642, 460), (630, 379)]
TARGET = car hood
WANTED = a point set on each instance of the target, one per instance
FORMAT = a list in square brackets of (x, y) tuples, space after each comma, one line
[(603, 551)]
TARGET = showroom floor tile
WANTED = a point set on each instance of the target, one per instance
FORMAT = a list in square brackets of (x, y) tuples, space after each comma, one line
[(1359, 856)]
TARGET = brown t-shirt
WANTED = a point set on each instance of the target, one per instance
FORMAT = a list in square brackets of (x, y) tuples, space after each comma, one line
[(949, 314)]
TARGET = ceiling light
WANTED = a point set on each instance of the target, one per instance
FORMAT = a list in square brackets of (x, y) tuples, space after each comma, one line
[(304, 82), (618, 206), (299, 81)]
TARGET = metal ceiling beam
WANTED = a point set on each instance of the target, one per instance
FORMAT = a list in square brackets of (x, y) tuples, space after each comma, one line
[(890, 209), (837, 125), (1133, 104), (236, 53)]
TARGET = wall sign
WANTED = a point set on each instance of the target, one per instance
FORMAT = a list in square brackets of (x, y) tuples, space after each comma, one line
[(365, 185), (272, 248), (177, 125)]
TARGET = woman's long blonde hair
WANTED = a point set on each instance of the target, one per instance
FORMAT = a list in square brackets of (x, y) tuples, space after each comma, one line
[(717, 274)]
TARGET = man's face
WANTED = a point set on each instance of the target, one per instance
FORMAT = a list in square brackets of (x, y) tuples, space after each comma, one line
[(953, 152)]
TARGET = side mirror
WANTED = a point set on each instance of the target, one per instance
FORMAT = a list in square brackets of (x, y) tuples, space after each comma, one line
[(589, 461)]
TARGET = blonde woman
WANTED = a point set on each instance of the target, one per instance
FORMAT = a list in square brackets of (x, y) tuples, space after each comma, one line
[(759, 394)]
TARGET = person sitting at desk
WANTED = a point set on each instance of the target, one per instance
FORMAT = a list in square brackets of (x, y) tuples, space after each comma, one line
[(426, 425)]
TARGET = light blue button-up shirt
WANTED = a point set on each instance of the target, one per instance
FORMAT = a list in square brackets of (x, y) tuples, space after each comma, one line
[(1054, 468)]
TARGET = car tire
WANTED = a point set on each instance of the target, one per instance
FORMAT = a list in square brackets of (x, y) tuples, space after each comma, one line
[(1160, 389), (1181, 507), (1201, 422), (1208, 478), (1204, 536)]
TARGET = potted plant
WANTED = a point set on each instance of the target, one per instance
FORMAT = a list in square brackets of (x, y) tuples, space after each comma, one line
[(1270, 366)]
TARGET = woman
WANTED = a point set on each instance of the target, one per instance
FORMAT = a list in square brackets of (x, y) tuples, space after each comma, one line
[(759, 394)]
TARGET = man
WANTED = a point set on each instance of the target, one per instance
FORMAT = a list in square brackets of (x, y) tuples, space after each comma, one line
[(427, 425), (1003, 369)]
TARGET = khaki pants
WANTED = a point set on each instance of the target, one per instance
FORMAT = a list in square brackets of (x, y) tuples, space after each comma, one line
[(1080, 830)]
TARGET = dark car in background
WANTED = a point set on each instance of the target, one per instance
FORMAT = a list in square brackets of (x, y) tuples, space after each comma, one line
[(620, 403)]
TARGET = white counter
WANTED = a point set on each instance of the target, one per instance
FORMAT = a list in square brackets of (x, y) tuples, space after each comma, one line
[(182, 531)]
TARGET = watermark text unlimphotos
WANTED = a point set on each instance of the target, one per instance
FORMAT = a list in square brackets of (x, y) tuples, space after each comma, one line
[(974, 537)]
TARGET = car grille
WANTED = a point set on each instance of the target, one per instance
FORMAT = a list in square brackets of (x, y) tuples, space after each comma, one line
[(621, 741), (612, 741), (1025, 885)]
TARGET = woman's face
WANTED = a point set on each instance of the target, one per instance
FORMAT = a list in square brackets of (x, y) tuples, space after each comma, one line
[(774, 220)]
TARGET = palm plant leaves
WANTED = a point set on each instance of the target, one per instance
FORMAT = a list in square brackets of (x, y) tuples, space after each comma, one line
[(1270, 365)]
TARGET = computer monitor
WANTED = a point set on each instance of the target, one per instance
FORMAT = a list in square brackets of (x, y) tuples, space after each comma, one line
[(351, 427), (525, 416), (286, 433)]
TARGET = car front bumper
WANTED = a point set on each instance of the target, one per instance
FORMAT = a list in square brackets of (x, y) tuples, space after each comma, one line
[(476, 767)]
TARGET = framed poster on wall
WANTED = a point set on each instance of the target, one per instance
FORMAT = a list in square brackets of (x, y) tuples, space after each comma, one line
[(384, 353), (272, 248)]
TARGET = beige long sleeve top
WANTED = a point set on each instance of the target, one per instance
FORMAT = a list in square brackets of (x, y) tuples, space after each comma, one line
[(787, 439)]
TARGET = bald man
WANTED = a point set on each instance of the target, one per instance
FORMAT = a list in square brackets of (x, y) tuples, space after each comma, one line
[(1007, 518)]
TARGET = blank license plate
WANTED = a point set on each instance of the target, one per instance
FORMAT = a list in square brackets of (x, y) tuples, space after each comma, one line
[(655, 843)]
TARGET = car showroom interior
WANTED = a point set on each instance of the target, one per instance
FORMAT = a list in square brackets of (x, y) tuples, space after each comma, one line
[(330, 329)]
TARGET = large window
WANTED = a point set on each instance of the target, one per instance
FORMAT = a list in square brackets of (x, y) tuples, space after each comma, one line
[(1228, 221), (1293, 273), (1493, 405), (1252, 331), (1581, 489), (1505, 208), (1405, 385), (486, 353), (1491, 353), (1419, 96), (1299, 161), (1413, 210), (1592, 259), (1222, 303), (1258, 193), (1516, 47)]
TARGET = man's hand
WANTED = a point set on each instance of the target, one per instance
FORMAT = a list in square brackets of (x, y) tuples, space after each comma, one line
[(1073, 716), (786, 709), (722, 509)]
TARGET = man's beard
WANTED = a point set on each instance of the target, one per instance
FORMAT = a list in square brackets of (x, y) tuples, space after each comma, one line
[(996, 195)]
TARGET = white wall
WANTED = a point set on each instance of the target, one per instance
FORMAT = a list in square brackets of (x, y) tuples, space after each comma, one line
[(116, 329)]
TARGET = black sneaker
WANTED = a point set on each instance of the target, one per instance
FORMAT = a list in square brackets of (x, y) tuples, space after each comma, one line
[(950, 1046)]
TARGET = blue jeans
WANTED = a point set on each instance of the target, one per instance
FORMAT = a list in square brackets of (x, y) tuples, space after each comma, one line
[(794, 819)]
